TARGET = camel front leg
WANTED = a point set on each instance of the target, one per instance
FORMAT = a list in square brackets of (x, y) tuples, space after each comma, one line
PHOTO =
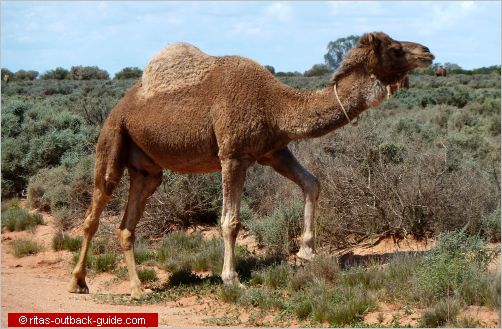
[(142, 185), (284, 162), (233, 174)]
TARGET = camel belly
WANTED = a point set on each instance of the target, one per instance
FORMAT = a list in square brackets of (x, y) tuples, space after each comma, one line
[(175, 148)]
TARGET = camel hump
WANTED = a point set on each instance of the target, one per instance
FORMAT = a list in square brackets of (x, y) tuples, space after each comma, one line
[(177, 66)]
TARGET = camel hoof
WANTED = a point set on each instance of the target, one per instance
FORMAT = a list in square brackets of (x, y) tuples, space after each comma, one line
[(138, 293), (78, 287), (306, 254)]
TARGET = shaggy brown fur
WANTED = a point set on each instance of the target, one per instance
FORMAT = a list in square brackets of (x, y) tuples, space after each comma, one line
[(395, 87), (196, 113), (441, 72)]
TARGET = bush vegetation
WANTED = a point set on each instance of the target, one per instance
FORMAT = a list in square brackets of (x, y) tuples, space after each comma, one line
[(62, 241), (442, 282), (22, 247), (407, 167), (129, 73), (16, 218)]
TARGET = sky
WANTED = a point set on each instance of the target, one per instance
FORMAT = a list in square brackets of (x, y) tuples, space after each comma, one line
[(291, 36)]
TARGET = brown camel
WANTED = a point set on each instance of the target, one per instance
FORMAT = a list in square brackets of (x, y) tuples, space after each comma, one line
[(441, 72), (395, 87), (196, 113)]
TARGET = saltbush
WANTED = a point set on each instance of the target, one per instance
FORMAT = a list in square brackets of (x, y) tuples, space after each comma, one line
[(16, 218), (456, 262)]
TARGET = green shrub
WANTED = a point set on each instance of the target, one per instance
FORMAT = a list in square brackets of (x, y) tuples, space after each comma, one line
[(62, 241), (24, 247), (483, 291), (340, 308), (142, 255), (324, 267), (392, 152), (103, 262), (278, 231), (147, 275), (183, 201), (455, 263), (58, 73), (129, 73), (88, 73), (368, 278), (276, 276), (351, 311), (231, 293), (179, 251), (303, 309), (300, 279), (25, 75), (490, 224), (15, 218), (65, 192)]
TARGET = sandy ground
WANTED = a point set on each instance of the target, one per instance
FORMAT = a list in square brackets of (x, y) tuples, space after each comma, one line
[(38, 284)]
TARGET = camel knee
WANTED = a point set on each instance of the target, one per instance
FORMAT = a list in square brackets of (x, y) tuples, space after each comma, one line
[(90, 226), (126, 239), (231, 228), (312, 188)]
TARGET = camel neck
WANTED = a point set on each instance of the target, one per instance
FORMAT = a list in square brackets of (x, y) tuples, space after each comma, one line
[(309, 114)]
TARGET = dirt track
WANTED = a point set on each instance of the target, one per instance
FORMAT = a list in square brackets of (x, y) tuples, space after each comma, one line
[(38, 284)]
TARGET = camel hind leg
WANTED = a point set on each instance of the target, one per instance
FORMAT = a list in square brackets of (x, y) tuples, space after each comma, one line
[(108, 171), (284, 162), (145, 176)]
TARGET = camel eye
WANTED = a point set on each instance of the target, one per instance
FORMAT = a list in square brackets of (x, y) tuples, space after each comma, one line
[(397, 51)]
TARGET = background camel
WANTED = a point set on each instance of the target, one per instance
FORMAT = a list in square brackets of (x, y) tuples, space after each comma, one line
[(441, 72), (395, 87), (192, 112)]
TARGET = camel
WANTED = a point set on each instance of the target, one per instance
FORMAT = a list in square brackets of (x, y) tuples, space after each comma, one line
[(441, 72), (195, 113), (395, 87)]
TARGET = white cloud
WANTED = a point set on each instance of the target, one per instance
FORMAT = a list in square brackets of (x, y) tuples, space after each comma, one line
[(445, 16), (280, 10), (261, 25), (468, 5)]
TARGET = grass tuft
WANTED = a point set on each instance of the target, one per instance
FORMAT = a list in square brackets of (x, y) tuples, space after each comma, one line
[(441, 314), (104, 263), (15, 218), (62, 241), (231, 293), (453, 268), (147, 275), (24, 247)]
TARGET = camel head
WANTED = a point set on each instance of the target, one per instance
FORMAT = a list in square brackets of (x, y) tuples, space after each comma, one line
[(380, 56)]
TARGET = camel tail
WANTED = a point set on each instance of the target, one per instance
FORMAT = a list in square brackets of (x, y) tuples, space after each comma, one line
[(111, 155)]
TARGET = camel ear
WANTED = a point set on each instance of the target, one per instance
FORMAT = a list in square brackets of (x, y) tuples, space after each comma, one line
[(371, 40)]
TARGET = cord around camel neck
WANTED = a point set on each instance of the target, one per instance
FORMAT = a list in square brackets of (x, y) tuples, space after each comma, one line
[(343, 108)]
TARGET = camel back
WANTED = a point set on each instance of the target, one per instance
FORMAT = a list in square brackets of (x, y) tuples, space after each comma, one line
[(177, 66)]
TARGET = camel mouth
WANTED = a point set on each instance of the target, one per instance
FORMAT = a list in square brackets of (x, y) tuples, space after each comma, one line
[(425, 61)]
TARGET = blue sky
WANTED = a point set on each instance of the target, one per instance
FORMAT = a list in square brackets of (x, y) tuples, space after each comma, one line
[(291, 36)]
